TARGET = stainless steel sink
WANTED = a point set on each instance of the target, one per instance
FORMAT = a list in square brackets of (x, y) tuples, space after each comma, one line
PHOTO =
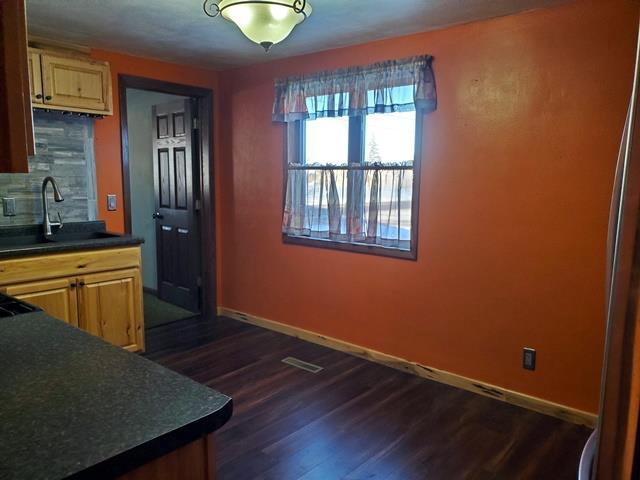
[(22, 241), (24, 237), (63, 236), (25, 241)]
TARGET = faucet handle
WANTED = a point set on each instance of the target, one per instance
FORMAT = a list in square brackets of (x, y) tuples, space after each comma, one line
[(58, 224)]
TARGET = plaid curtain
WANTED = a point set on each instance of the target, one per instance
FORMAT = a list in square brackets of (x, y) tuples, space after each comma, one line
[(358, 202), (316, 205), (391, 86)]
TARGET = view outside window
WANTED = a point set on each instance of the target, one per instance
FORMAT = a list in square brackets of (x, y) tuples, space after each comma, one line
[(390, 137), (327, 141)]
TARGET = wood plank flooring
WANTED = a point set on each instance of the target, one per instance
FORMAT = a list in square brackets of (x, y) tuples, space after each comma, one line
[(355, 420)]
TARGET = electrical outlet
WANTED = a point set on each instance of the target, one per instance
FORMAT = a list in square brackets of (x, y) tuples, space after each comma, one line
[(9, 207), (529, 359), (112, 203)]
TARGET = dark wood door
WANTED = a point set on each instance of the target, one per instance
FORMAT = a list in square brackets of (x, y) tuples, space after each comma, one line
[(177, 232)]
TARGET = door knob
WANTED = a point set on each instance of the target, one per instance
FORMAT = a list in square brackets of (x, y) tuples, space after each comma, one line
[(158, 216)]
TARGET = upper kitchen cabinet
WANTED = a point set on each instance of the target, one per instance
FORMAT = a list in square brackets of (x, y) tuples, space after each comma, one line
[(16, 122), (67, 82), (39, 77)]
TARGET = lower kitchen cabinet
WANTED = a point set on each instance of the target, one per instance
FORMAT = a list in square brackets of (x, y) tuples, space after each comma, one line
[(57, 297), (98, 291), (110, 307)]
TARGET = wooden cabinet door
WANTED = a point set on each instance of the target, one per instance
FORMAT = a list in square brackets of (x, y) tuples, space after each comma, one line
[(110, 307), (56, 297), (79, 83), (16, 122), (35, 78)]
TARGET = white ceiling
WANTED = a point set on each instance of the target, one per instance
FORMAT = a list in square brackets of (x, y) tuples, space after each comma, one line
[(179, 31)]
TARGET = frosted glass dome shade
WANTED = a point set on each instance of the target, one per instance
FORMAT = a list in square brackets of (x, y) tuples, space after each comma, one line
[(264, 22)]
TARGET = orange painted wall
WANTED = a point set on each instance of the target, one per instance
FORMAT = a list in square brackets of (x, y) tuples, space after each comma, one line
[(517, 168)]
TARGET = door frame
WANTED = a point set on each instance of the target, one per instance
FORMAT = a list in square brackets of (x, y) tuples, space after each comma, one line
[(205, 99)]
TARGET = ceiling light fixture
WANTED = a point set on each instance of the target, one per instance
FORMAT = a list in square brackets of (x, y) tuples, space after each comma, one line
[(264, 22)]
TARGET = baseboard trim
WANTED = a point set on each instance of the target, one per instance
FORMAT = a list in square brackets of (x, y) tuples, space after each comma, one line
[(509, 396)]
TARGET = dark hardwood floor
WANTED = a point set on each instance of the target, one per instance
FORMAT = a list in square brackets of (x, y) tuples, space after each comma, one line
[(355, 419)]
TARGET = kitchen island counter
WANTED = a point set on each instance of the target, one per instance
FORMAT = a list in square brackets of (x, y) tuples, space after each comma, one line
[(74, 406)]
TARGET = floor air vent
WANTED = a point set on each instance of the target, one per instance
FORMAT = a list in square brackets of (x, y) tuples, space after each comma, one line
[(295, 362)]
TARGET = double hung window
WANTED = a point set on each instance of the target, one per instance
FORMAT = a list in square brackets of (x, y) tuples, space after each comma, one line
[(352, 167)]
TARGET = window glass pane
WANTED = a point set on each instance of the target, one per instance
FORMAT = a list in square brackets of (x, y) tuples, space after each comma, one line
[(327, 141), (390, 137)]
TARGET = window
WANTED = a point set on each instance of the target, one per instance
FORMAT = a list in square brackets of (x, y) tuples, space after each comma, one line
[(352, 161), (354, 179)]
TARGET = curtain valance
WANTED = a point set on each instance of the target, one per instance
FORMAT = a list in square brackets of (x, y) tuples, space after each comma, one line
[(391, 86)]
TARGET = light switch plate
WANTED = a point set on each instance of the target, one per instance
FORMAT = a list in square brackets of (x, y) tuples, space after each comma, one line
[(9, 207), (112, 203)]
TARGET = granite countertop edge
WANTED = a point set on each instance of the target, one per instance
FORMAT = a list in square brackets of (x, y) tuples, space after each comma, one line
[(150, 450), (71, 246), (61, 345)]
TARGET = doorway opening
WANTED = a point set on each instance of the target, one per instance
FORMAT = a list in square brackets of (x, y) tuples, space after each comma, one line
[(168, 194)]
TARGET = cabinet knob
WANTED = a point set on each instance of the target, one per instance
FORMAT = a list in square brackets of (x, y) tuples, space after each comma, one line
[(82, 284), (72, 285), (38, 96), (48, 97)]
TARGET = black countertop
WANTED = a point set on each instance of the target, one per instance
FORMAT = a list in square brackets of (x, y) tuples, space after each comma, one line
[(74, 406), (25, 240)]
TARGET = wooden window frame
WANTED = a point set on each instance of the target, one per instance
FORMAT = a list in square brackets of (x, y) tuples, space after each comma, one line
[(356, 155)]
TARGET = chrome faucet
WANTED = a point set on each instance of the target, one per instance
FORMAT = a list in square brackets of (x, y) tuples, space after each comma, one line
[(57, 196)]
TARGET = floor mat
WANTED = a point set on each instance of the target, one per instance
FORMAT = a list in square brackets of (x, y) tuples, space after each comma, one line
[(158, 312)]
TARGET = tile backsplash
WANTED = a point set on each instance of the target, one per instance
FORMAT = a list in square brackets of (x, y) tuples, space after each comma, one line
[(65, 151)]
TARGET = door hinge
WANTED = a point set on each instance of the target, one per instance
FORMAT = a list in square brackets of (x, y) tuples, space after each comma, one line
[(196, 124), (197, 205)]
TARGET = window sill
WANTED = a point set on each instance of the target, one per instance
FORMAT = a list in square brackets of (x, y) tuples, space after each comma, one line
[(352, 247)]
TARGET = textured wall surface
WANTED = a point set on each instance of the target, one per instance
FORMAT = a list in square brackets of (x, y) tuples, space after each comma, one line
[(517, 167), (65, 150)]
